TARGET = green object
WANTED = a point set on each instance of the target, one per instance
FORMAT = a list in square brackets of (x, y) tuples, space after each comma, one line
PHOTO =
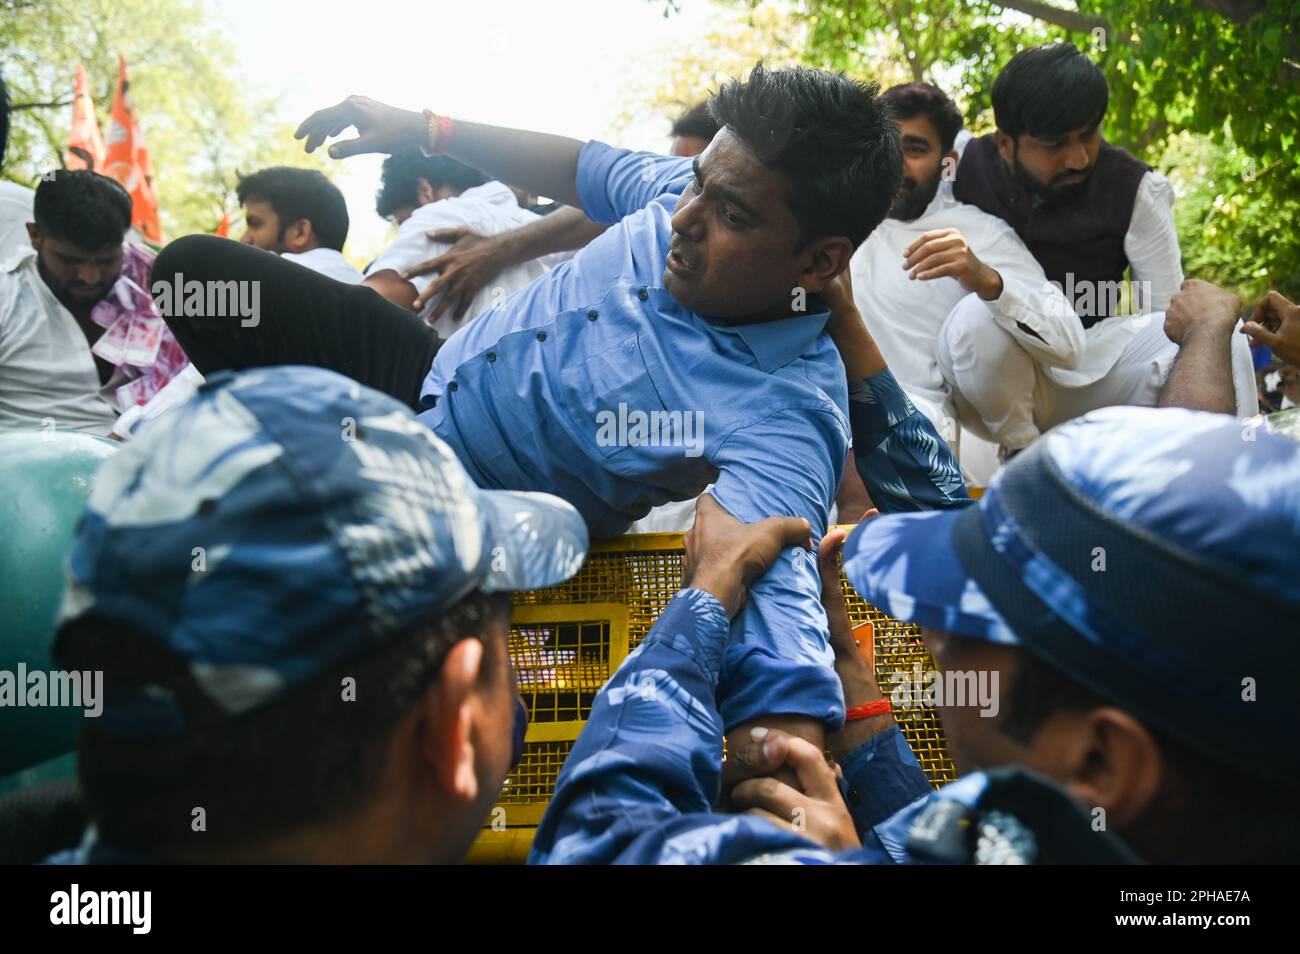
[(45, 479)]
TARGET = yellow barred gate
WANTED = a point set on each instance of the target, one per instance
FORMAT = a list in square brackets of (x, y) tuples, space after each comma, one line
[(565, 642)]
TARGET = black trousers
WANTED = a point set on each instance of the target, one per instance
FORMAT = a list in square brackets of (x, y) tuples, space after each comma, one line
[(303, 317)]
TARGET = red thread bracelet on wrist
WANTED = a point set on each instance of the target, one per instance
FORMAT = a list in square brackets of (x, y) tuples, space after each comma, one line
[(868, 710), (438, 138)]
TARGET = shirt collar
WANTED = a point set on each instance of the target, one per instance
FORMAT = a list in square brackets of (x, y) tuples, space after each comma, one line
[(493, 192), (775, 344)]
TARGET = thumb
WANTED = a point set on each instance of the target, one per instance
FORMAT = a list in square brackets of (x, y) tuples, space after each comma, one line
[(791, 531), (447, 236), (348, 147), (1259, 335), (828, 552)]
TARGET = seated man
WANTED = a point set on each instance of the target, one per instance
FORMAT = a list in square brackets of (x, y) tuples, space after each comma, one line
[(80, 339), (429, 193), (620, 385), (327, 675), (935, 256), (1121, 728), (1087, 211), (300, 215)]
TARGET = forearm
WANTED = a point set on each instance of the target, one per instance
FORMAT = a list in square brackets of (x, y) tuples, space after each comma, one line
[(542, 163), (561, 231), (1201, 378)]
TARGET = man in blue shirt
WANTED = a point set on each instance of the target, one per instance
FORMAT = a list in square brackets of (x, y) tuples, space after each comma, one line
[(683, 346)]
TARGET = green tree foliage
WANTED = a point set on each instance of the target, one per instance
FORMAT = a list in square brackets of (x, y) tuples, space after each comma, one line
[(1207, 91), (201, 122)]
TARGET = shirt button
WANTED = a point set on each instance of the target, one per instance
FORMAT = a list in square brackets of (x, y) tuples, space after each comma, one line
[(541, 336), (593, 315), (491, 356), (453, 386), (642, 294)]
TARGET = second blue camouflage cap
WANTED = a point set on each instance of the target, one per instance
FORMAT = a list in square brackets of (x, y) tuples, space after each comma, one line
[(288, 519), (1152, 555)]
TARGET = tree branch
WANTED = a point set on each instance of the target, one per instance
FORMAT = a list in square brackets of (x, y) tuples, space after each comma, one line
[(1057, 16), (14, 107)]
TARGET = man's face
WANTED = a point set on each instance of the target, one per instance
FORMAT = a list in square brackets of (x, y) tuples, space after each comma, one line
[(77, 276), (1054, 167), (922, 168), (975, 742), (262, 227), (733, 255)]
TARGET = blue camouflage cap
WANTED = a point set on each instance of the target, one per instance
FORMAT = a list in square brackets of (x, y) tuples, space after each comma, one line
[(286, 520), (1152, 555)]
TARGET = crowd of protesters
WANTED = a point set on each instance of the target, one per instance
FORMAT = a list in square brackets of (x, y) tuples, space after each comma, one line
[(832, 305)]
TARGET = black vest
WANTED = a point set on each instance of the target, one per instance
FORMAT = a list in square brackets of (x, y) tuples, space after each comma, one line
[(1079, 241)]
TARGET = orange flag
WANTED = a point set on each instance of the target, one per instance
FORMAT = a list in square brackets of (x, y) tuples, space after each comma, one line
[(223, 230), (85, 144), (128, 160)]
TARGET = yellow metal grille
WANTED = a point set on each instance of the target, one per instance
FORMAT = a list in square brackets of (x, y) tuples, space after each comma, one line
[(566, 641)]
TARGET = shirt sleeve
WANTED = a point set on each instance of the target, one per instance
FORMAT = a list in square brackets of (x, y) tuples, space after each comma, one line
[(1030, 309), (881, 776), (641, 781), (778, 658), (1151, 244), (613, 183), (901, 458)]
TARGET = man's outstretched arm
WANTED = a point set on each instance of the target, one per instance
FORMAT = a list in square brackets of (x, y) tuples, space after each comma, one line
[(541, 163)]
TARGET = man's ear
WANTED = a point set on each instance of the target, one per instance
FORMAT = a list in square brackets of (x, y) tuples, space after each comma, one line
[(1111, 761), (1006, 145), (830, 256), (449, 718), (300, 236), (424, 192), (33, 236)]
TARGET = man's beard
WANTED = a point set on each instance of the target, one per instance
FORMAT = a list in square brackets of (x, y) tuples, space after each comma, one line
[(1049, 192), (915, 197), (64, 293)]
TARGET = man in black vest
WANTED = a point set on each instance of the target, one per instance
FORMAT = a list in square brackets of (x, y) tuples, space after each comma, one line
[(1088, 211)]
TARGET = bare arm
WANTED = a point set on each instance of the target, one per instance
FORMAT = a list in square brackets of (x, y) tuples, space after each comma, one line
[(1200, 320), (542, 163)]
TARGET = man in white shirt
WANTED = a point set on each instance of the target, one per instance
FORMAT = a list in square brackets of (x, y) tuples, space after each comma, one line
[(1087, 211), (80, 338), (301, 216), (935, 259), (426, 194)]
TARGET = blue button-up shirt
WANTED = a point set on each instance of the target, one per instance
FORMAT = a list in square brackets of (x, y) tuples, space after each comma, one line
[(594, 384)]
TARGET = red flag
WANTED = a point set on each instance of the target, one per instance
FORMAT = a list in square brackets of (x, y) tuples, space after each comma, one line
[(85, 144), (128, 160), (223, 230)]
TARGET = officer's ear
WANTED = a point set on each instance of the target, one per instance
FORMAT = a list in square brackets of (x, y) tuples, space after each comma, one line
[(1109, 760)]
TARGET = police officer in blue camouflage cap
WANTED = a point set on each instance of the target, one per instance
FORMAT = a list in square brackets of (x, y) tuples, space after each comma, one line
[(300, 602), (1128, 588)]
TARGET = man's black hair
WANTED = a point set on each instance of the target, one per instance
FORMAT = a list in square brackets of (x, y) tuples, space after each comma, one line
[(297, 194), (910, 100), (831, 135), (81, 207), (696, 123), (1049, 90), (306, 758), (1229, 817), (403, 170), (4, 119)]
